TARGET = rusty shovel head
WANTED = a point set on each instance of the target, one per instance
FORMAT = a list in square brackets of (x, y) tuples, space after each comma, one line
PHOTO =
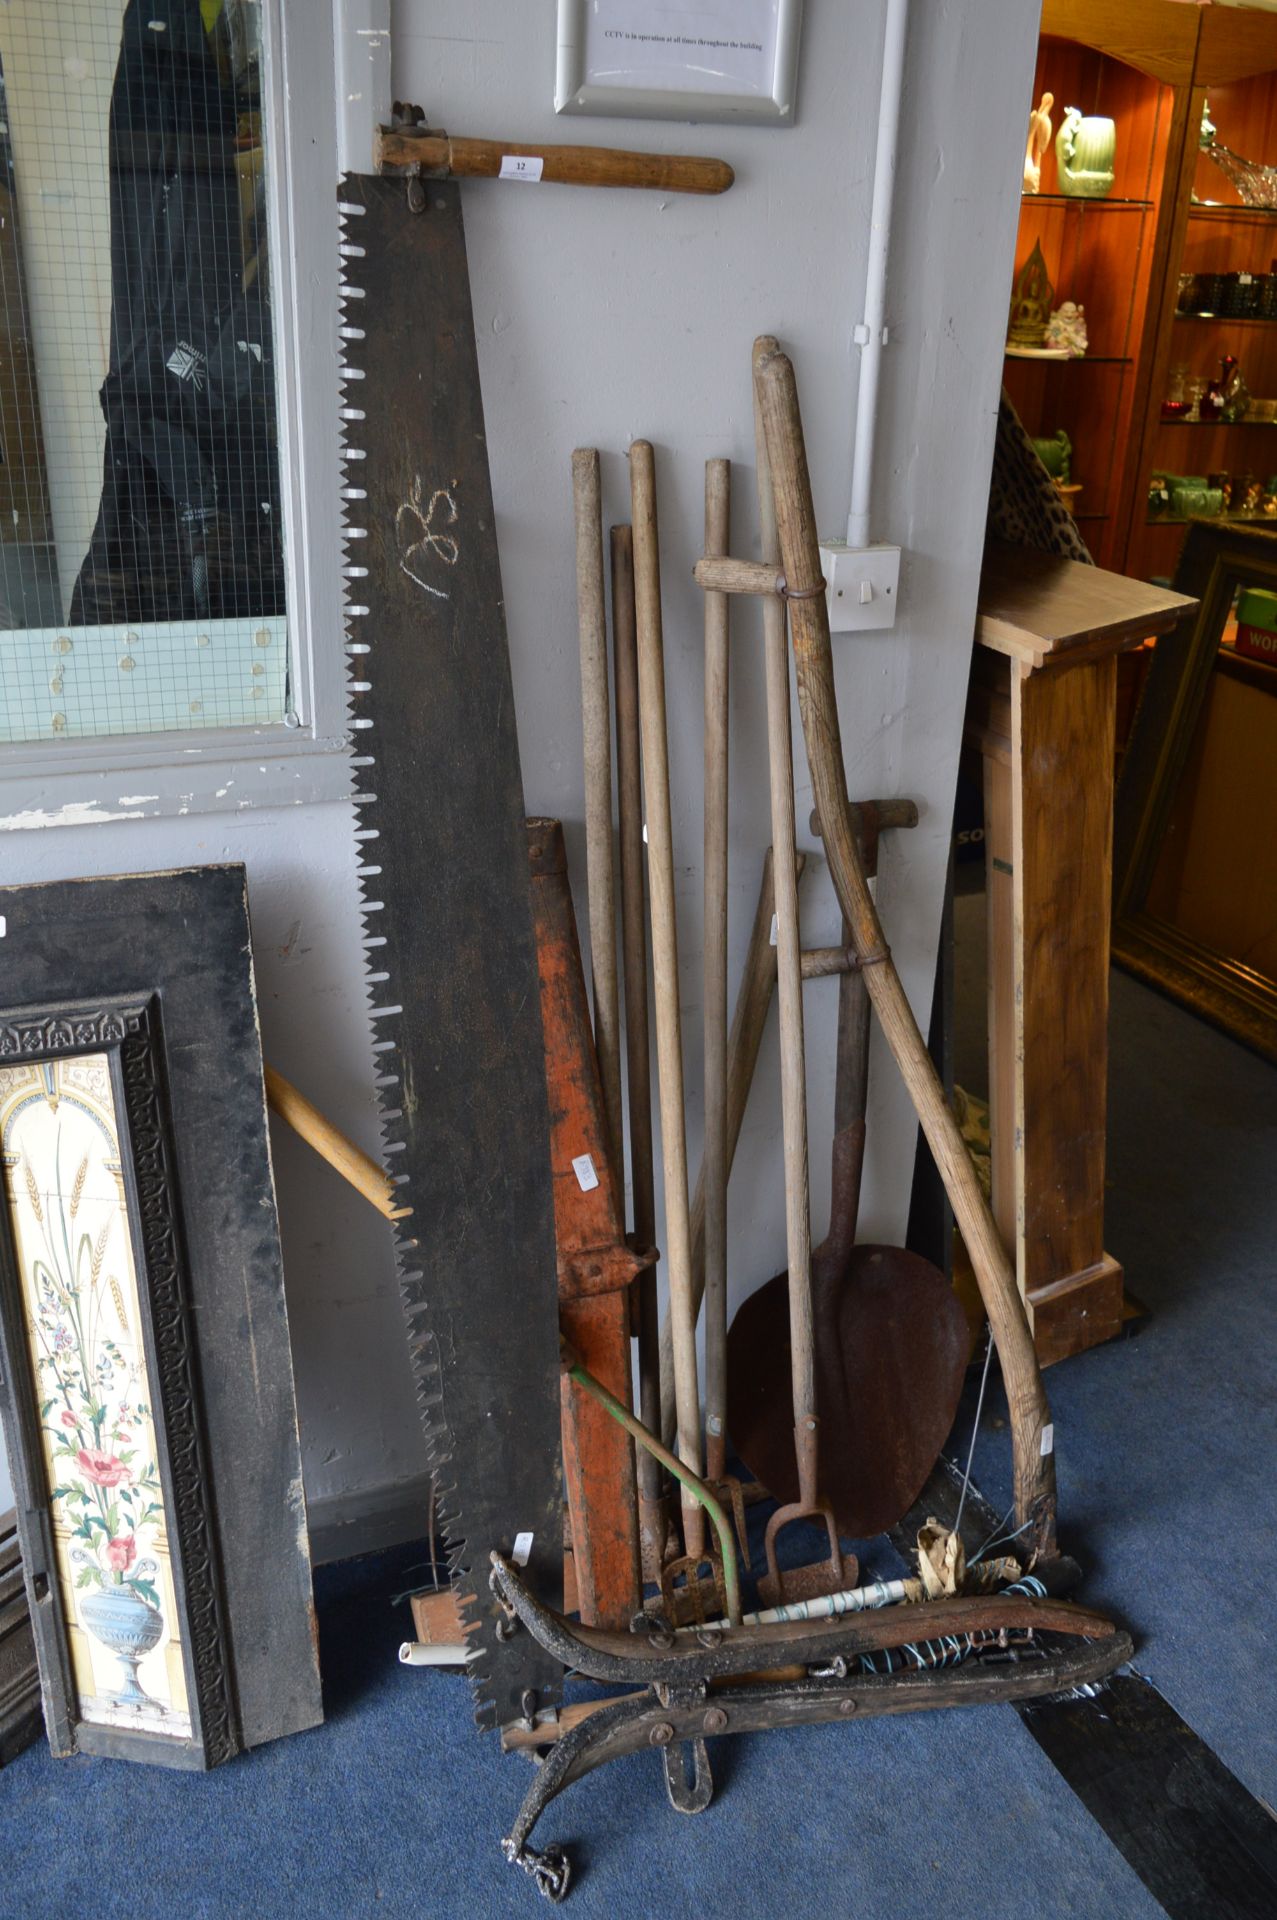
[(891, 1350)]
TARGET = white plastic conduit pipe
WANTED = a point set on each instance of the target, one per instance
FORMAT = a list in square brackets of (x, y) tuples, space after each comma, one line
[(870, 336)]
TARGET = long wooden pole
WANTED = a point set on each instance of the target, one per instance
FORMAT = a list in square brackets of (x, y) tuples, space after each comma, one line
[(793, 1071), (669, 1036), (596, 722), (629, 790), (714, 959), (1031, 1429)]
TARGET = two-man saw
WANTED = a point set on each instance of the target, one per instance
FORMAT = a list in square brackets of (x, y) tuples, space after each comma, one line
[(446, 891)]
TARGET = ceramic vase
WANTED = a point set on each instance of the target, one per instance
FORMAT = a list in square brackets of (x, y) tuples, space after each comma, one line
[(130, 1627), (1085, 149)]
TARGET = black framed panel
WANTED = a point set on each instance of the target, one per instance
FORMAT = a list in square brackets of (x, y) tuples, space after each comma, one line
[(148, 1395)]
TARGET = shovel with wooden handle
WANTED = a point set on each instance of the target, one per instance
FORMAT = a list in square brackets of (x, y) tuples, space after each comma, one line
[(1031, 1429)]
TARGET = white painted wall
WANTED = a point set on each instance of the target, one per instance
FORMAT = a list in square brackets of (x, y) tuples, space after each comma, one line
[(601, 317)]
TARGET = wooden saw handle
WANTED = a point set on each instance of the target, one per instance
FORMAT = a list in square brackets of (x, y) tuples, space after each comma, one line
[(564, 166)]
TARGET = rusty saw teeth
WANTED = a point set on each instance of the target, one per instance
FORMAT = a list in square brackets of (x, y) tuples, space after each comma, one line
[(451, 961)]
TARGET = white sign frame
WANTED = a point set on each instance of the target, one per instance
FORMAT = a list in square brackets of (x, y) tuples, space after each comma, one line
[(580, 85)]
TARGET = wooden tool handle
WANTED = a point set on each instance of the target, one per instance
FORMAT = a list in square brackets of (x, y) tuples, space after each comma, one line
[(350, 1161), (717, 610), (481, 159), (669, 1033), (793, 1067), (596, 719), (629, 794), (1030, 1414)]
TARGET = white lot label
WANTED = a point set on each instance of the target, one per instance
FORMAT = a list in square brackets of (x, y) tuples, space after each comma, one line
[(1048, 1440), (520, 166), (583, 1168), (522, 1549)]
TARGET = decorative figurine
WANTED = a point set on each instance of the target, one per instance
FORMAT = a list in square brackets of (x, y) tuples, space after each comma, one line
[(1067, 328), (1038, 142), (1085, 149), (1031, 297)]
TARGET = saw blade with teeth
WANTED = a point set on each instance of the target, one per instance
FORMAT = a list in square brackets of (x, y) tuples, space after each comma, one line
[(447, 905)]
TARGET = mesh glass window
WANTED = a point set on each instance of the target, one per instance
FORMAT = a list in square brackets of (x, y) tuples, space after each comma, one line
[(142, 584)]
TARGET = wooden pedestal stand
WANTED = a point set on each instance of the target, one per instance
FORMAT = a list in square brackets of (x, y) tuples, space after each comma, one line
[(1041, 714)]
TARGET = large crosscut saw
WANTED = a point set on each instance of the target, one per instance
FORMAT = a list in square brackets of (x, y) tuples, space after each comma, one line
[(447, 903), (446, 888)]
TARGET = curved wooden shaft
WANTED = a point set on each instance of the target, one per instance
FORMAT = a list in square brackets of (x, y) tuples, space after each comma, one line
[(345, 1158), (480, 159), (669, 1031), (809, 620)]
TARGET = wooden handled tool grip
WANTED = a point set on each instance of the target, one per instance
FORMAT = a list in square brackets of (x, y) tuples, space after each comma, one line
[(350, 1161), (714, 1157), (596, 721), (669, 1034), (480, 159), (809, 621)]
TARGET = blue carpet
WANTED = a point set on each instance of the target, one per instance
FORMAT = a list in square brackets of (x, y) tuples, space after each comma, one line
[(396, 1805)]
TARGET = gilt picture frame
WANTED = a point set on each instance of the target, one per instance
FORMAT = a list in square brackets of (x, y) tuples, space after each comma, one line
[(145, 1373), (1187, 962)]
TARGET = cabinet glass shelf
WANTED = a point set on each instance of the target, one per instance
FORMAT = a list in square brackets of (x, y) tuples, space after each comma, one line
[(1109, 201), (1216, 210), (1233, 319)]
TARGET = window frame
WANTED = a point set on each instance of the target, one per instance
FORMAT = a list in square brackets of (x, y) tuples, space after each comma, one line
[(127, 776)]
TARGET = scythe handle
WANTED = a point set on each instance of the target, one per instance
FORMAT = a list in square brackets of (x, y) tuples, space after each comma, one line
[(809, 621)]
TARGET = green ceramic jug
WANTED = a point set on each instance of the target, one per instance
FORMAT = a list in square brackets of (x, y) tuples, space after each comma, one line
[(1085, 149)]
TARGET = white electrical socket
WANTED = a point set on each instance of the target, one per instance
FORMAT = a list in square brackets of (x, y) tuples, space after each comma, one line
[(862, 585)]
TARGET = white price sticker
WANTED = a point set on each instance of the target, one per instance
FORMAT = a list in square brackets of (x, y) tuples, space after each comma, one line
[(520, 166), (583, 1168), (522, 1549), (1048, 1439)]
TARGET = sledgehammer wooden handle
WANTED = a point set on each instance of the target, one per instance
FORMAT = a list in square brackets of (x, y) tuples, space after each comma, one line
[(566, 166)]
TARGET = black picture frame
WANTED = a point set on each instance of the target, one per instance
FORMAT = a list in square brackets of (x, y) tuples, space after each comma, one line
[(154, 973), (1218, 558)]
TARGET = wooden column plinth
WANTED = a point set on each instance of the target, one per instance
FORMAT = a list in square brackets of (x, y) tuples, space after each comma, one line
[(1041, 713)]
